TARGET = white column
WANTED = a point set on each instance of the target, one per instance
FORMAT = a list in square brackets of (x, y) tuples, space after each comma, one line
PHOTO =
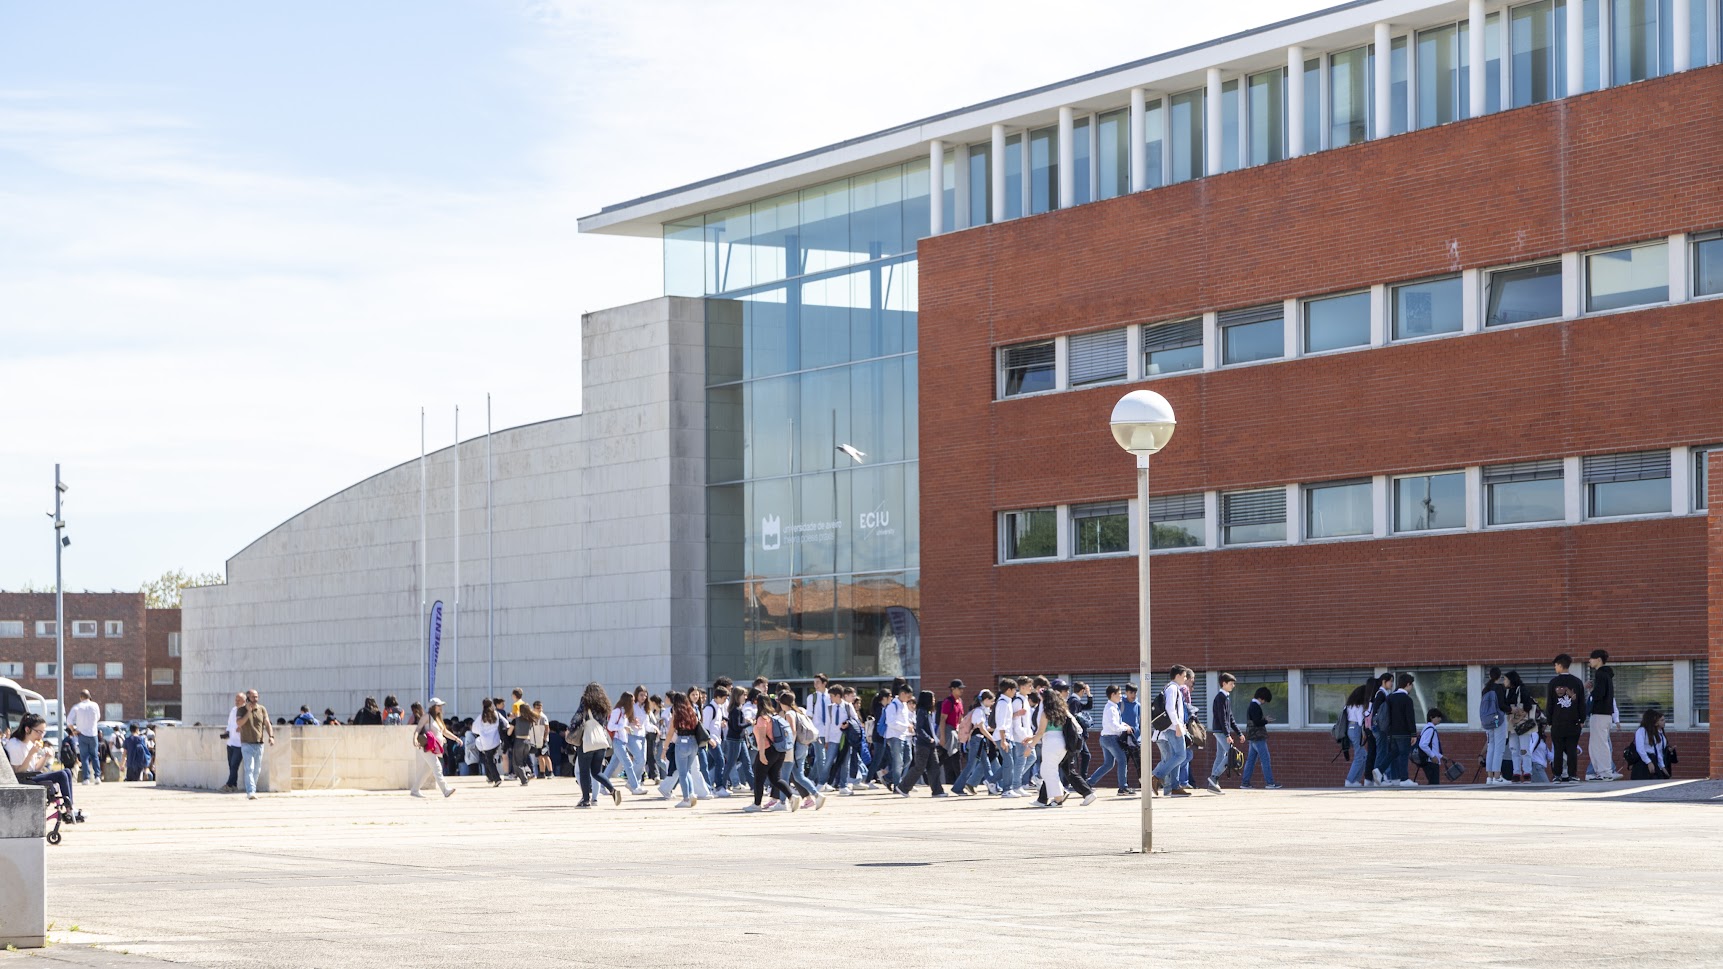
[(1680, 275), (1211, 340), (1573, 489), (1681, 15), (1067, 159), (1475, 39), (1211, 520), (1062, 363), (1681, 480), (936, 187), (1295, 515), (996, 160), (1294, 102), (960, 188), (1292, 326), (1139, 140), (1472, 300), (1211, 125), (1382, 506), (1379, 315), (1575, 51), (1572, 286), (1475, 498), (1297, 713), (1681, 718), (1384, 125), (1134, 352)]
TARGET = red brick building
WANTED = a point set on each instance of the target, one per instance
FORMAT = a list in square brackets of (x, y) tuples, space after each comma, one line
[(115, 648), (1564, 442)]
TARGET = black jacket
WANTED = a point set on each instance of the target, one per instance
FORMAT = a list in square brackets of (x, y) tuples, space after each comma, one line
[(1603, 691), (1221, 721), (1402, 719), (1572, 715), (1080, 707)]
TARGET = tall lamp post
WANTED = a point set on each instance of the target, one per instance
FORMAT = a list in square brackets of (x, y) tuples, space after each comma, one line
[(1142, 423), (60, 543)]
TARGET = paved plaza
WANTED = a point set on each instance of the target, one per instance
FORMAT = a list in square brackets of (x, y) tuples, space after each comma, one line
[(1583, 877)]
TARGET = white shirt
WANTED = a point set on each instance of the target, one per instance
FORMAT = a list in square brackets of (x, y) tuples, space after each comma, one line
[(712, 714), (899, 722), (1174, 697), (1015, 719), (1355, 715), (824, 712), (233, 727), (978, 721), (488, 738), (16, 751), (1652, 754), (1430, 742), (1111, 723), (85, 715)]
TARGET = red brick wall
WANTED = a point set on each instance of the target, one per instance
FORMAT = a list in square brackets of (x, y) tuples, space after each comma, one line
[(127, 607), (1714, 567), (1520, 185), (162, 622)]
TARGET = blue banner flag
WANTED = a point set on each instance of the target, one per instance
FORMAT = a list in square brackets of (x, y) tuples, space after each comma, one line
[(436, 641)]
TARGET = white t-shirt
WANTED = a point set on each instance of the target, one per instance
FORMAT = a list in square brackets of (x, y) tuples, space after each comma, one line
[(85, 715), (488, 737), (233, 727), (16, 751)]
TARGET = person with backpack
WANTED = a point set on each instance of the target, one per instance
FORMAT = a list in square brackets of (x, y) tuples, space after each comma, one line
[(1379, 768), (1401, 723), (1429, 751), (1131, 715), (924, 764), (773, 740), (1256, 734), (686, 734), (804, 736), (1112, 751), (429, 738), (520, 755), (1006, 711), (1522, 725), (978, 726), (1602, 716), (1167, 716), (1081, 703), (1224, 727), (1565, 705), (1648, 756), (1493, 717), (1056, 736), (950, 720), (1354, 716)]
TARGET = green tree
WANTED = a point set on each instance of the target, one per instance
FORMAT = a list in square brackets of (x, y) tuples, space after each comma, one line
[(163, 593)]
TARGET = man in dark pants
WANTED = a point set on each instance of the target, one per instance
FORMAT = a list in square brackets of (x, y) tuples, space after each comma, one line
[(1080, 702), (1602, 716), (1565, 702), (1402, 724), (950, 715), (1223, 727), (234, 753)]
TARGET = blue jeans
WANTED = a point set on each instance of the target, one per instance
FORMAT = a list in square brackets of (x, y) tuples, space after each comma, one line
[(901, 752), (687, 770), (1399, 748), (735, 762), (1222, 752), (1383, 747), (1011, 767), (1112, 756), (792, 773), (1355, 773), (820, 766), (1185, 768), (251, 758), (1495, 747), (1172, 759), (1258, 751), (88, 763), (974, 764), (233, 758), (627, 754)]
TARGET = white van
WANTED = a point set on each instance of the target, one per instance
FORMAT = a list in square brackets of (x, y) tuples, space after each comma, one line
[(15, 701)]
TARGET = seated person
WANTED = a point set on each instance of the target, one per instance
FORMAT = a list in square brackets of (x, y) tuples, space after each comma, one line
[(30, 759)]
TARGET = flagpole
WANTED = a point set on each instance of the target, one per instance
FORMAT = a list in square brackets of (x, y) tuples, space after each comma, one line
[(490, 563), (424, 564), (455, 624)]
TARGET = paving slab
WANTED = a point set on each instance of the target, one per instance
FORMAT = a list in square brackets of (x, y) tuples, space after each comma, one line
[(1585, 877)]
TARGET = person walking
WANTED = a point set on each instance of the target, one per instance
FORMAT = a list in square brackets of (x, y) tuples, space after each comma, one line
[(1008, 710), (1521, 708), (1224, 727), (1168, 722), (738, 727), (137, 754), (234, 753), (1379, 768), (1113, 726), (255, 730), (84, 716), (687, 734), (924, 763), (588, 728), (1429, 752), (1257, 735), (1493, 717), (804, 737), (773, 740), (1356, 712), (977, 739), (1131, 714), (1565, 704), (627, 727), (715, 716), (1056, 737), (1602, 717), (1650, 750), (852, 735), (521, 732), (1401, 723), (950, 749), (488, 740), (430, 736), (654, 720)]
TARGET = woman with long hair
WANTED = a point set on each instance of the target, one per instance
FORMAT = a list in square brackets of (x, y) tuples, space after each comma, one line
[(795, 773), (627, 725), (594, 712), (1057, 738), (430, 736), (488, 740), (1356, 703), (1493, 717), (924, 762), (652, 714), (520, 752), (30, 760), (1521, 706), (773, 738), (1652, 748), (685, 732)]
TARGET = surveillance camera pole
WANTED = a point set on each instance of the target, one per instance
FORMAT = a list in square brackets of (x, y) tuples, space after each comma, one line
[(59, 608)]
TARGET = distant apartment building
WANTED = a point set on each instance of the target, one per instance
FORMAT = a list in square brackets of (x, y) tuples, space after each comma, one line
[(125, 654)]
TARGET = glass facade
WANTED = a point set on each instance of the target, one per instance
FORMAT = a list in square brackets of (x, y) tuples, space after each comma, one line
[(812, 455)]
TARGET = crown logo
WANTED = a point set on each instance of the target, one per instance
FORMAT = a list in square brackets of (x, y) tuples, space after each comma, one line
[(771, 533)]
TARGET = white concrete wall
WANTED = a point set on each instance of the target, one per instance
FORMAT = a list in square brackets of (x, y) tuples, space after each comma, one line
[(599, 555), (23, 862), (302, 758)]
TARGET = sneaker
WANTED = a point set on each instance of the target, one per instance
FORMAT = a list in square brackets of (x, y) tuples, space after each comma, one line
[(1379, 778), (1088, 799), (251, 797), (819, 802), (449, 792), (1408, 782), (1214, 786), (1010, 794), (692, 800), (415, 794), (1155, 784), (942, 794), (1244, 787), (781, 806), (752, 809), (1354, 783), (684, 803), (1179, 792), (1124, 791), (846, 792), (228, 789), (792, 803), (637, 790), (1272, 787), (616, 795), (723, 793), (808, 802)]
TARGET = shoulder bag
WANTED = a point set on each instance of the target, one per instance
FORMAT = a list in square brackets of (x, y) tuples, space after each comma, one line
[(593, 736)]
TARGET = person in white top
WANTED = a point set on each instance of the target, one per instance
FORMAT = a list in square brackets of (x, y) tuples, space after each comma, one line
[(822, 708), (84, 715), (30, 759), (1430, 743), (976, 760), (1113, 726), (627, 742), (488, 740), (235, 753), (714, 714), (1651, 747), (1170, 735), (899, 734), (1007, 711)]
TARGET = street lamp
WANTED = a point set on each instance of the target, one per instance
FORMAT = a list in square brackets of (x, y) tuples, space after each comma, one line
[(1142, 423)]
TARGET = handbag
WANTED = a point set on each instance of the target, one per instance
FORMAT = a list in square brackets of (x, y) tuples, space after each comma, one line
[(593, 737), (1195, 733), (1454, 771)]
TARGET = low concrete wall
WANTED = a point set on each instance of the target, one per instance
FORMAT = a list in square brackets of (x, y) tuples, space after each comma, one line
[(23, 868), (302, 758)]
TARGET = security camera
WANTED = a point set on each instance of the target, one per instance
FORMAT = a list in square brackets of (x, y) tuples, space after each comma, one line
[(64, 487), (65, 542)]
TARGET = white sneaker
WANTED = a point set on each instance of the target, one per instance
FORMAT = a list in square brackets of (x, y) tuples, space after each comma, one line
[(1088, 799), (826, 787), (1007, 793), (1354, 783), (251, 797), (793, 803), (780, 806), (637, 791), (415, 794), (819, 802), (752, 809), (1408, 782), (723, 793), (1377, 774), (846, 792), (684, 803)]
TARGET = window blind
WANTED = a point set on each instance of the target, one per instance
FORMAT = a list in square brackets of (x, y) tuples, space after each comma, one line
[(1097, 356), (1175, 508), (1029, 355), (1523, 471), (1254, 508), (1254, 314), (1634, 466), (1173, 336)]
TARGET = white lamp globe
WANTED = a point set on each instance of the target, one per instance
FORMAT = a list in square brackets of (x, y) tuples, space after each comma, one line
[(1143, 422)]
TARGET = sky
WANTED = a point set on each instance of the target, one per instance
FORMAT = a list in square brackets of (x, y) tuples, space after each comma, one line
[(241, 245)]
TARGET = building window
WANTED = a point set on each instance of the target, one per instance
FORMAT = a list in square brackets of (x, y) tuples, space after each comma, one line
[(46, 671), (1172, 347), (1248, 335), (1349, 89), (1440, 77), (1312, 107), (1641, 51), (1430, 502), (1113, 153), (12, 670), (1325, 693), (1338, 510), (1155, 142), (1097, 357), (1248, 682), (11, 629), (161, 676), (1027, 368), (1185, 135), (113, 671), (1082, 192), (113, 629), (1178, 521), (46, 629), (114, 711), (1700, 460), (1398, 91), (84, 629), (1530, 491), (1043, 170), (173, 644), (1537, 40), (1702, 692), (1101, 529), (1636, 483), (1231, 105), (1641, 686), (1334, 322), (1427, 308), (1014, 176), (1627, 277), (1524, 294), (980, 183), (1267, 116), (1708, 265), (83, 671), (1440, 689), (1029, 534), (1251, 517)]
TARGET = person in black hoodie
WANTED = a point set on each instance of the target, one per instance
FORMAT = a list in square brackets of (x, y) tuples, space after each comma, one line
[(1602, 716), (1402, 724), (924, 765), (1565, 705), (1224, 728)]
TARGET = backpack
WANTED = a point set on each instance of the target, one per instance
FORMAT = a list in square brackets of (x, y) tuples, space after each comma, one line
[(1338, 731), (782, 738), (1158, 718), (806, 733)]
